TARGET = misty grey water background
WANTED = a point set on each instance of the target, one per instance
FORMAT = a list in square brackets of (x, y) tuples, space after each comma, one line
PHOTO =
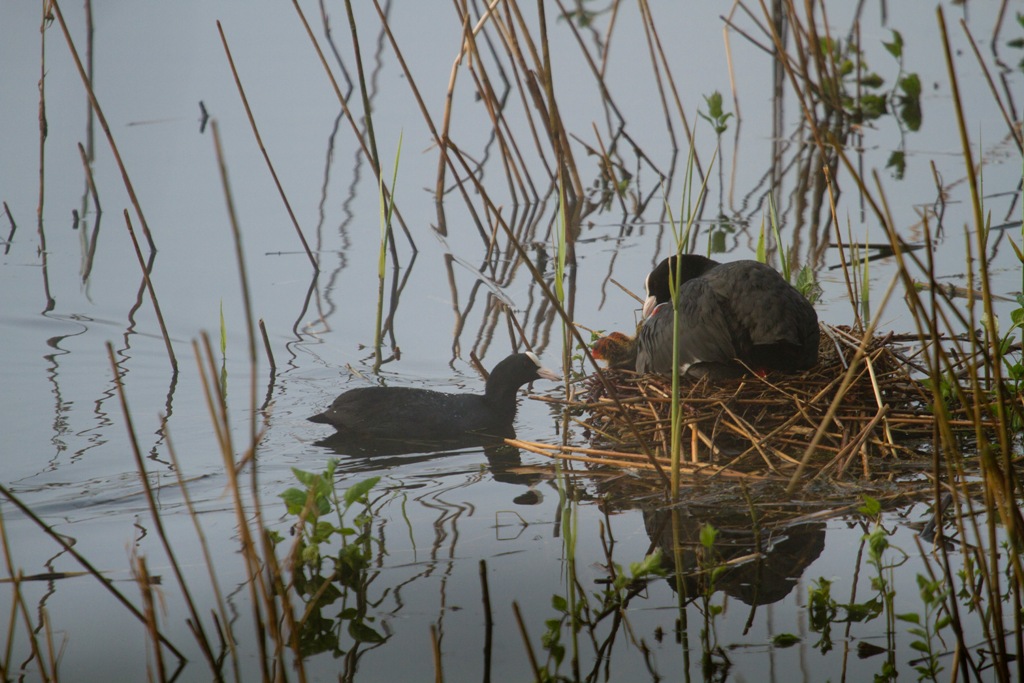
[(64, 447)]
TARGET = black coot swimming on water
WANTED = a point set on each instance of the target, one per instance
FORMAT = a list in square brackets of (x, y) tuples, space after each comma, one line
[(410, 413), (742, 310)]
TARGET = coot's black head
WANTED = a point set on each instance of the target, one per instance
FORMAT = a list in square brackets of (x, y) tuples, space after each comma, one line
[(675, 270), (515, 371)]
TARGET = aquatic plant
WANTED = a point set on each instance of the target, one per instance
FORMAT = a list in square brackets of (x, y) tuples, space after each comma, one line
[(322, 576)]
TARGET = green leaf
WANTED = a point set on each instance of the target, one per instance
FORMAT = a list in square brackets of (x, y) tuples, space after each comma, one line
[(872, 80), (651, 565), (294, 500), (898, 163), (895, 47), (919, 646), (911, 85), (871, 507), (909, 617), (559, 603), (362, 633), (359, 491), (308, 479), (714, 102), (708, 534), (872, 106), (785, 640), (310, 554)]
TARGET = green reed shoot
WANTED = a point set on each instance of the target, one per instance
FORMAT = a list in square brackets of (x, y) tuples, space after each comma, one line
[(223, 352), (681, 234), (387, 206)]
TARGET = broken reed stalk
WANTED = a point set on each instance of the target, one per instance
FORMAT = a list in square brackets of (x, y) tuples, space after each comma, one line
[(485, 596), (266, 347), (89, 181), (435, 650), (526, 640), (152, 294), (263, 150), (91, 184)]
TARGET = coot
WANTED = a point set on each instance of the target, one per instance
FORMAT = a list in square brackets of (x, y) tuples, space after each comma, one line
[(617, 349), (410, 413), (728, 312)]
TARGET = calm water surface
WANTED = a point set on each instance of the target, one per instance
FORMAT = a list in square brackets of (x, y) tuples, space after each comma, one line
[(70, 284)]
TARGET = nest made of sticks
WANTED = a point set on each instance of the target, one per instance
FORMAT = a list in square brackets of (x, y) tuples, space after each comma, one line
[(863, 410)]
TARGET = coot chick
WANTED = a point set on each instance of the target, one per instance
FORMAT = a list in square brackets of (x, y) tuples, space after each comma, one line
[(410, 413), (728, 312), (617, 349)]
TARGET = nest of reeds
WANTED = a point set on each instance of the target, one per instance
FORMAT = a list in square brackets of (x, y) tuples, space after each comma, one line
[(864, 411)]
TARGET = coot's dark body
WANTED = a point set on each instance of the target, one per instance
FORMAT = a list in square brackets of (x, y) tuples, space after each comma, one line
[(728, 312), (410, 413)]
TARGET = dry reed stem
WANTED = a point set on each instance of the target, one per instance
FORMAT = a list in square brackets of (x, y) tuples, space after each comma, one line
[(140, 466), (526, 640), (145, 584), (349, 116), (152, 294), (263, 150), (87, 82), (228, 642)]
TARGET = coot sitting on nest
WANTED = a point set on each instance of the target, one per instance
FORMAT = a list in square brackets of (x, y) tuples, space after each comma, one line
[(740, 311), (409, 413)]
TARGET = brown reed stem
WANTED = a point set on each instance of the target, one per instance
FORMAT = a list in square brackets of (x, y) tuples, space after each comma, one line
[(485, 591), (229, 641), (87, 82), (140, 466), (152, 294), (144, 582), (435, 649), (17, 606), (343, 101), (263, 150), (95, 573), (841, 393), (258, 597), (1014, 131), (267, 347), (526, 640)]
